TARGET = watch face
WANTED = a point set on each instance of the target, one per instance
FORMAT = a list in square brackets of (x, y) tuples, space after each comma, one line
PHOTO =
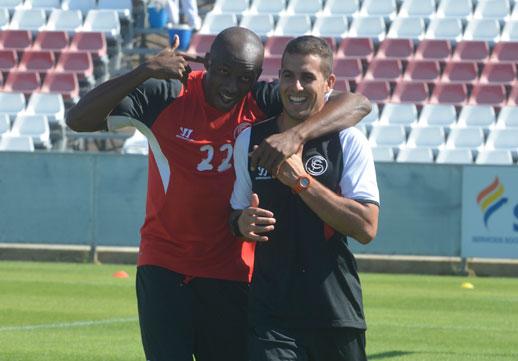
[(304, 182)]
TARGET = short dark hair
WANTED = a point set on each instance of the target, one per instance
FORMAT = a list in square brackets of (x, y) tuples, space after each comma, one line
[(312, 45)]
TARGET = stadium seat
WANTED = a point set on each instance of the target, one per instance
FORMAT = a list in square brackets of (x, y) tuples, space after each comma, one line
[(55, 41), (498, 73), (471, 50), (372, 117), (8, 60), (65, 20), (10, 143), (201, 43), (457, 9), (11, 5), (123, 7), (341, 7), (382, 154), (482, 29), (79, 63), (261, 24), (18, 40), (48, 104), (342, 85), (293, 25), (386, 8), (368, 27), (5, 124), (275, 45), (335, 26), (12, 103), (47, 5), (493, 9), (438, 114), (64, 83), (356, 48), (271, 67), (403, 114), (510, 31), (505, 51), (410, 92), (348, 69), (466, 138), (447, 29), (4, 18), (491, 94), (93, 43), (28, 19), (449, 93), (460, 72), (439, 50), (84, 5), (387, 136), (477, 116), (426, 137), (39, 61), (106, 21), (415, 155), (22, 81), (273, 7), (503, 139), (374, 90), (384, 69), (494, 157), (34, 126), (508, 117), (419, 8), (423, 71), (305, 7), (407, 28), (396, 49), (454, 156), (136, 144)]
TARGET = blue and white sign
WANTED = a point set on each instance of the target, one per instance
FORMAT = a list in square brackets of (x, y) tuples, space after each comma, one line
[(490, 212)]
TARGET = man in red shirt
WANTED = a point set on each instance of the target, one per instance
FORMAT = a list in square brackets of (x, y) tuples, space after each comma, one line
[(192, 276)]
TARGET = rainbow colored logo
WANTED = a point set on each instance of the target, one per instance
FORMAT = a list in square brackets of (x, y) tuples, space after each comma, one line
[(490, 199)]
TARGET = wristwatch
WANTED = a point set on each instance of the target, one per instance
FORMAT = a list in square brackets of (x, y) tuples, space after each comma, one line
[(302, 183)]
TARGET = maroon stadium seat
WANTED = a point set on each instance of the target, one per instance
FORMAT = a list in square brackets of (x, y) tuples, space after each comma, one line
[(489, 94), (271, 67), (433, 49), (55, 41), (410, 92), (423, 70), (396, 49), (450, 93), (375, 90), (505, 51), (8, 60), (79, 63), (15, 39), (22, 81), (201, 43), (460, 72), (64, 83), (37, 60), (348, 69), (342, 85), (356, 48), (92, 42), (384, 69), (275, 45), (477, 51), (500, 73)]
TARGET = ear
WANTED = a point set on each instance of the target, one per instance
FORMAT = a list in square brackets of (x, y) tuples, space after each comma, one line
[(330, 82)]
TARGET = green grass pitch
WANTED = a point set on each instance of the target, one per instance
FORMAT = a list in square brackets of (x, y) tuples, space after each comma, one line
[(76, 312)]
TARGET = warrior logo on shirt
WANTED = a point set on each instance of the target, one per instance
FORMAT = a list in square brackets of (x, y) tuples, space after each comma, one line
[(316, 165), (262, 173), (185, 133)]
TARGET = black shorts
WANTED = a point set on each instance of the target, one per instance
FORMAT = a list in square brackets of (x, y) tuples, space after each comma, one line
[(180, 318), (326, 344)]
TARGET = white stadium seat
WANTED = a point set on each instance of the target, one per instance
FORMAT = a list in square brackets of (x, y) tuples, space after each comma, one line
[(420, 8), (293, 25), (492, 9), (12, 103), (454, 156), (5, 124), (387, 136), (495, 157), (438, 114), (399, 113), (304, 7), (372, 117), (4, 18), (466, 138), (103, 21), (510, 31), (215, 23), (503, 139), (49, 104), (47, 5), (476, 116), (65, 20), (123, 7), (11, 4), (455, 9), (449, 29), (136, 144), (428, 137), (35, 126), (415, 155), (383, 154), (482, 29), (385, 8), (368, 27), (28, 19), (407, 28), (230, 6), (273, 7), (11, 143), (83, 5), (261, 24), (508, 117), (341, 7), (335, 26)]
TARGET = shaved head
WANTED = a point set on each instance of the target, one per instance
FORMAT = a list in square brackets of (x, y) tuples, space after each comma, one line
[(238, 44)]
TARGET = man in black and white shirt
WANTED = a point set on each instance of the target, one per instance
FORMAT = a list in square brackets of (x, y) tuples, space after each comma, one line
[(305, 299)]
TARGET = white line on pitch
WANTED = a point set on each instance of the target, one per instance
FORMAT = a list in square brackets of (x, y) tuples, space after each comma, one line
[(67, 324)]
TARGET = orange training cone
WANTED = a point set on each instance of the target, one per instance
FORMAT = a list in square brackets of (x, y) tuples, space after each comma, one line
[(120, 274)]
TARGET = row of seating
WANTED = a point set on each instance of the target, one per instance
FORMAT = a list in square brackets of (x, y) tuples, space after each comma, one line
[(66, 84), (50, 105), (71, 21), (122, 6), (35, 126)]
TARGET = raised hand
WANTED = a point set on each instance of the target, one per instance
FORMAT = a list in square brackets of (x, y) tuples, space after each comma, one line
[(254, 221), (169, 64)]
